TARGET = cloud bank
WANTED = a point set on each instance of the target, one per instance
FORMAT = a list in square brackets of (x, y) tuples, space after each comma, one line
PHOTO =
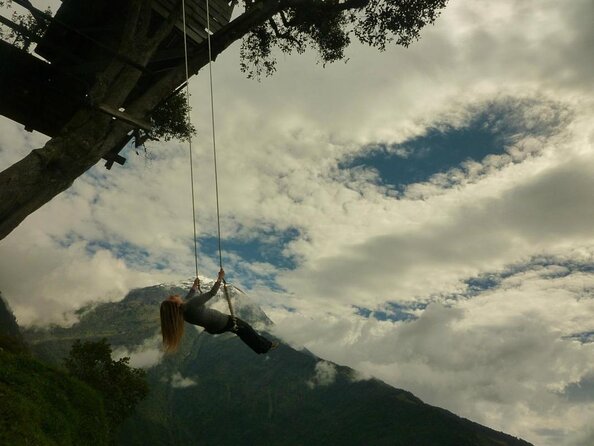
[(493, 337)]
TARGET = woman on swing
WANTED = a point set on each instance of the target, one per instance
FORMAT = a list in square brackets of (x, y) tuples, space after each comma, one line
[(174, 311)]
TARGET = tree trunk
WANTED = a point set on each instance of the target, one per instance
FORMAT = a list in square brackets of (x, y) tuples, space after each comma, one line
[(46, 172)]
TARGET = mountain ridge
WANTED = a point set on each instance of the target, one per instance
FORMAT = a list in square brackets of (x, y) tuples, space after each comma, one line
[(218, 391), (8, 323)]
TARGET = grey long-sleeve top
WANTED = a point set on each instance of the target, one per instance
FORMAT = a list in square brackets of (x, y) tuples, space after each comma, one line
[(195, 311)]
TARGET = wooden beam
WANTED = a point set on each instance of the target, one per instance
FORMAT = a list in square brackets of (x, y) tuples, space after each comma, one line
[(114, 158), (134, 122)]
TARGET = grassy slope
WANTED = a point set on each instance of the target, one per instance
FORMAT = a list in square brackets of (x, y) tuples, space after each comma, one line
[(42, 406)]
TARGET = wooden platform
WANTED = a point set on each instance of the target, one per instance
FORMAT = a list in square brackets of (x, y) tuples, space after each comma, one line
[(220, 13), (102, 23), (78, 44), (34, 93)]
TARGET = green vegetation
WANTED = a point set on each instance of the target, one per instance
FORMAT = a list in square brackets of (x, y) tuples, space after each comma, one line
[(328, 27), (120, 385), (43, 405), (40, 405), (171, 119)]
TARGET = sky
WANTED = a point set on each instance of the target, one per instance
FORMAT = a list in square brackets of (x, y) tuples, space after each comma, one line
[(423, 215)]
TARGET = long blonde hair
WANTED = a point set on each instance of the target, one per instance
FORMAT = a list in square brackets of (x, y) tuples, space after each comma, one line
[(172, 325)]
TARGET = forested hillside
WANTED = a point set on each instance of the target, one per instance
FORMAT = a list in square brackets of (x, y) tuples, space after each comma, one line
[(215, 391)]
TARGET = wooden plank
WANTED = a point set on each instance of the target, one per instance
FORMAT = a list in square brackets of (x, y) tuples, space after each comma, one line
[(135, 122), (220, 13), (65, 28), (219, 9), (35, 94), (197, 35), (113, 158)]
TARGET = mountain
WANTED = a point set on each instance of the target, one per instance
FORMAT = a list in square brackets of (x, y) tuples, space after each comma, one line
[(10, 336), (216, 391), (8, 323)]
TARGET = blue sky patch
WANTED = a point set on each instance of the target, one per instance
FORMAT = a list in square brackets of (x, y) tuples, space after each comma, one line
[(586, 337), (581, 392), (130, 253), (266, 246), (439, 150), (488, 281), (393, 312), (444, 146)]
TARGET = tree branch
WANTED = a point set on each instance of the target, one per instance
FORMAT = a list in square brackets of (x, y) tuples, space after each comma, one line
[(284, 19), (285, 35), (348, 4), (327, 6)]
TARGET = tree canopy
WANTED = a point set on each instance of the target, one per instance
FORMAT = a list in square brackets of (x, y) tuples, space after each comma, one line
[(44, 406), (266, 27), (329, 26), (121, 386)]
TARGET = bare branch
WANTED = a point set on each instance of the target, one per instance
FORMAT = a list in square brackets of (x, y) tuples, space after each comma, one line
[(284, 19)]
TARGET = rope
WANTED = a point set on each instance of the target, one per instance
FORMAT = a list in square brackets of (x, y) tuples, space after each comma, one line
[(214, 138), (214, 154), (214, 149), (190, 138)]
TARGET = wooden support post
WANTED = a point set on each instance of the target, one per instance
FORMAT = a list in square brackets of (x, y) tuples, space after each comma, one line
[(114, 158)]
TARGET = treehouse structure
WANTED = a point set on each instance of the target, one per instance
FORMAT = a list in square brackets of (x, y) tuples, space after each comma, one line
[(44, 90)]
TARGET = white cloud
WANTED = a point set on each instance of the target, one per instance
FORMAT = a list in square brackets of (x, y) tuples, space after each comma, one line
[(585, 438), (45, 281), (497, 358), (180, 382), (145, 356), (324, 375)]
